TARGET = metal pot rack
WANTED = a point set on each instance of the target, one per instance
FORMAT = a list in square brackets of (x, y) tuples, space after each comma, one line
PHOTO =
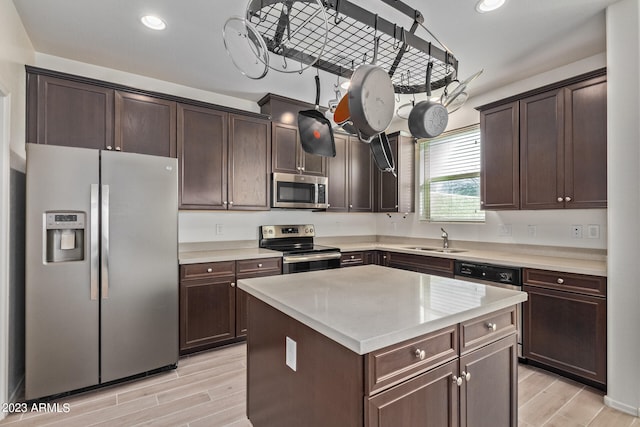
[(350, 42)]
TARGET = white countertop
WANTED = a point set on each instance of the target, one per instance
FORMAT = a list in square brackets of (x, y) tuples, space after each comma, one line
[(369, 307)]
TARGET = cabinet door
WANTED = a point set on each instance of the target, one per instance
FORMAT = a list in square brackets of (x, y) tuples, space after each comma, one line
[(64, 112), (397, 194), (337, 171), (207, 312), (500, 157), (360, 176), (145, 125), (566, 331), (428, 400), (284, 157), (312, 164), (202, 155), (541, 151), (494, 368), (249, 167), (247, 269), (586, 144)]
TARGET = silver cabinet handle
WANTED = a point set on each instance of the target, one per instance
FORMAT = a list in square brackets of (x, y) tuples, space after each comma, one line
[(109, 147), (259, 265), (118, 148), (560, 280), (95, 241), (233, 285), (560, 199), (482, 202), (105, 241), (466, 375), (457, 381), (420, 354), (209, 270), (224, 203), (350, 206), (492, 327), (230, 203), (353, 256), (567, 199)]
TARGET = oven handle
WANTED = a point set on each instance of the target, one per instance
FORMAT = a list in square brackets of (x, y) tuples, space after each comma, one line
[(292, 259)]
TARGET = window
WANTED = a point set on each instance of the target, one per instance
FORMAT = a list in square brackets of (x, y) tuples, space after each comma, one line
[(450, 177)]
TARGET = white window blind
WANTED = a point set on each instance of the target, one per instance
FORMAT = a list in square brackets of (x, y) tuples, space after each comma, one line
[(450, 177)]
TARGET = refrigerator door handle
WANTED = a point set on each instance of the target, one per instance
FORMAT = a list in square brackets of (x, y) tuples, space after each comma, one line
[(94, 242), (105, 242)]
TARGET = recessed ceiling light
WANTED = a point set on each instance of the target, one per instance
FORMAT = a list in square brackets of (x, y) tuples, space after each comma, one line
[(488, 5), (153, 22)]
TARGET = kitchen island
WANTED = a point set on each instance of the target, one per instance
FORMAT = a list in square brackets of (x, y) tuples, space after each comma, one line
[(376, 346)]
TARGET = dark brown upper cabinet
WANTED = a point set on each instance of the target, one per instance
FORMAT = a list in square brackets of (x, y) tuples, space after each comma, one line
[(288, 155), (337, 171), (224, 160), (360, 176), (144, 124), (70, 113), (500, 157), (397, 194), (546, 149)]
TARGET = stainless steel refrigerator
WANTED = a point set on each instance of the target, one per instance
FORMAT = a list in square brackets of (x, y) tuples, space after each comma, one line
[(101, 267)]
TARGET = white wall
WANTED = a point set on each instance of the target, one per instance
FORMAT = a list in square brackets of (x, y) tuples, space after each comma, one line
[(623, 298), (15, 51)]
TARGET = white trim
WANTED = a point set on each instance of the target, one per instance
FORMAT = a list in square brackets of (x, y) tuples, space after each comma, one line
[(5, 103), (621, 407)]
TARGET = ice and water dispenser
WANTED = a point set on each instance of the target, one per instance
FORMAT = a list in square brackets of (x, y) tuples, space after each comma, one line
[(65, 233)]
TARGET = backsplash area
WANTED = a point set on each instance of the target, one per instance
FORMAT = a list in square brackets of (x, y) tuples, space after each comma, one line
[(548, 228)]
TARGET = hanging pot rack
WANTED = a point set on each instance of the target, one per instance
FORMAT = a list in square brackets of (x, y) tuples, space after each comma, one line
[(350, 41)]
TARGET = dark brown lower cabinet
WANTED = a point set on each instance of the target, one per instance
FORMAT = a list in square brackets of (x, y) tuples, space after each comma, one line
[(352, 258), (419, 263), (566, 331), (213, 311)]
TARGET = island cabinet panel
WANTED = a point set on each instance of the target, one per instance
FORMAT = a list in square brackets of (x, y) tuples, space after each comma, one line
[(325, 389), (70, 113), (489, 390), (429, 400), (145, 124), (420, 263), (565, 328)]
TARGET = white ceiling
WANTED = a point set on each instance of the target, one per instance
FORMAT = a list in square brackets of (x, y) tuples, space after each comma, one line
[(524, 38)]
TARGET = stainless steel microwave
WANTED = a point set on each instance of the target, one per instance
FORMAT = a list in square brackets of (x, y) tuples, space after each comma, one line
[(299, 191)]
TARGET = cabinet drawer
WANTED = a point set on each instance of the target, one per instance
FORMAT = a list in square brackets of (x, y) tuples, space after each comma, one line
[(581, 283), (394, 364), (483, 330), (352, 258), (207, 269), (258, 267), (421, 263)]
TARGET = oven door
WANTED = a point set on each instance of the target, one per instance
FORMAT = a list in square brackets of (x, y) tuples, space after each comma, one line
[(310, 262)]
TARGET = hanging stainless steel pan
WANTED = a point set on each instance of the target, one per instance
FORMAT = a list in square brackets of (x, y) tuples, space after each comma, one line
[(342, 116), (428, 119), (316, 133), (371, 101)]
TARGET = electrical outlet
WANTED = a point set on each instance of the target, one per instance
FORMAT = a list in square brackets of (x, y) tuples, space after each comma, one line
[(290, 353), (532, 230), (218, 228), (576, 231), (504, 230), (593, 231)]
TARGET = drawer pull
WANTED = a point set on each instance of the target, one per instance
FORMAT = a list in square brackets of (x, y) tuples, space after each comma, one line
[(492, 327), (560, 280), (466, 375), (233, 285), (353, 256), (457, 381), (260, 265), (420, 354), (209, 270)]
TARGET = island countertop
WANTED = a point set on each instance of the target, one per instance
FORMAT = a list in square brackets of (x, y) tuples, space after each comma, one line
[(370, 307)]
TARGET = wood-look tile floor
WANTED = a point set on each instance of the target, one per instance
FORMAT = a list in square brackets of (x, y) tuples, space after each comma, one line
[(209, 389)]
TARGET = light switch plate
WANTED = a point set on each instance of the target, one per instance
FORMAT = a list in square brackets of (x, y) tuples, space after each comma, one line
[(291, 357), (593, 231), (504, 230)]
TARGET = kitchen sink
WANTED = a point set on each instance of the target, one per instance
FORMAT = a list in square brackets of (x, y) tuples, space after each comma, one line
[(442, 250)]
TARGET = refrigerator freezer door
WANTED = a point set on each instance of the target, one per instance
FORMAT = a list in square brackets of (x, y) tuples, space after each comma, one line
[(61, 318), (139, 314)]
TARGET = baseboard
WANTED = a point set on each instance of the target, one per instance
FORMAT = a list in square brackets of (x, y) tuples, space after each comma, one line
[(622, 407)]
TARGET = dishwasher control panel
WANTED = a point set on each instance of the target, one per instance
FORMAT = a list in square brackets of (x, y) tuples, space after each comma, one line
[(492, 273)]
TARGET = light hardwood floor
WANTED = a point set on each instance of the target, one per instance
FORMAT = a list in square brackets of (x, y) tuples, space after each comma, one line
[(209, 389)]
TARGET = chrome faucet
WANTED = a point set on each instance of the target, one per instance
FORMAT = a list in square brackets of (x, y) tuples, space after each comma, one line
[(445, 239)]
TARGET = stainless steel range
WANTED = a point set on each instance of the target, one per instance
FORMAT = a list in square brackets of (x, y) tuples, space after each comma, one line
[(300, 253)]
